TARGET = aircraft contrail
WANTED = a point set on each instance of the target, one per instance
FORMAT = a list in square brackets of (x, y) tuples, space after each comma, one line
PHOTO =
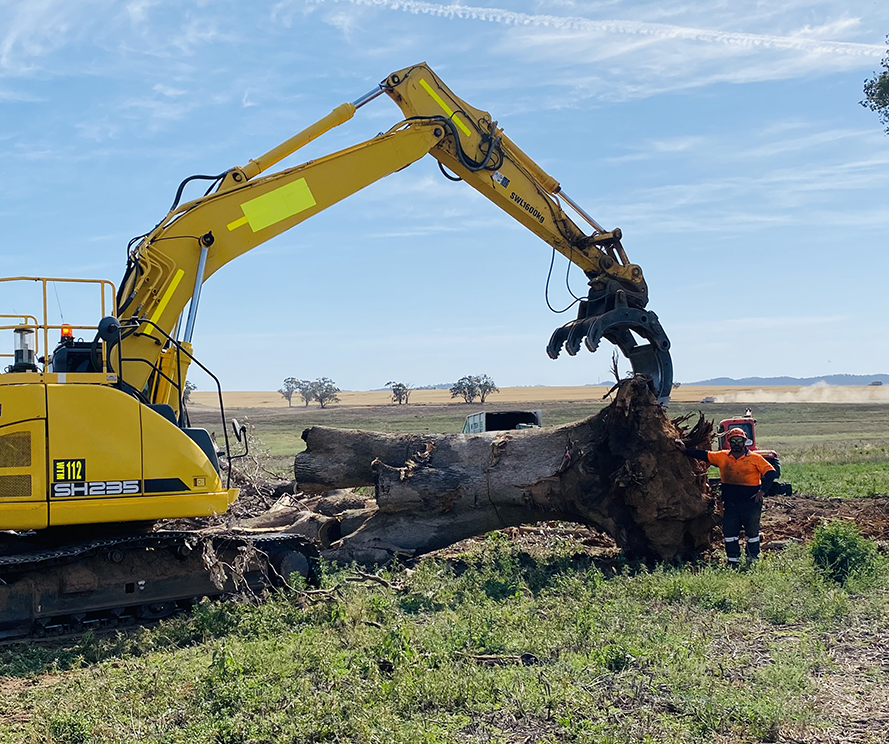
[(660, 30)]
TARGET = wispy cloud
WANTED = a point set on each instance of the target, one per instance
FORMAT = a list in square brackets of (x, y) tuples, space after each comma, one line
[(166, 90), (32, 32), (806, 41), (17, 96), (147, 108), (743, 202), (137, 10), (716, 148), (98, 130), (37, 28)]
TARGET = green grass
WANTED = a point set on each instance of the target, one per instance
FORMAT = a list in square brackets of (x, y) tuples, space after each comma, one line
[(828, 480), (620, 653), (846, 468)]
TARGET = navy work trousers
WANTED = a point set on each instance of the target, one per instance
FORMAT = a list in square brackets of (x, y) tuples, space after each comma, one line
[(738, 515)]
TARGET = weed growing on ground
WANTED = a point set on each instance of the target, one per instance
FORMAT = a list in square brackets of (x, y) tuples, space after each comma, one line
[(840, 552)]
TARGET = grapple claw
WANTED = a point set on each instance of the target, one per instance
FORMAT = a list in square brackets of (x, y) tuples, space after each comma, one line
[(575, 337), (554, 347), (606, 314)]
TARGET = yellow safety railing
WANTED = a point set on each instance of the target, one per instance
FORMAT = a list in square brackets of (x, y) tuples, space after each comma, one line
[(26, 320)]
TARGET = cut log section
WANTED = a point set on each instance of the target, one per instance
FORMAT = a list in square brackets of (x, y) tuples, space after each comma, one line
[(618, 471)]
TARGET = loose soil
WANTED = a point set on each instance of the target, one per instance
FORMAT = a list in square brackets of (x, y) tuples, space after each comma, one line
[(796, 517)]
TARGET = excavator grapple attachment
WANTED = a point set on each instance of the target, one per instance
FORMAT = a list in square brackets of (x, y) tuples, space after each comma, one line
[(619, 324)]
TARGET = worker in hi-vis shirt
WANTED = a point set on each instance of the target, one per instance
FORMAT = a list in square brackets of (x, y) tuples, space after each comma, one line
[(746, 477)]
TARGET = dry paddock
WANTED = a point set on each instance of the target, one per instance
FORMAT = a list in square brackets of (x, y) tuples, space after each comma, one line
[(817, 393)]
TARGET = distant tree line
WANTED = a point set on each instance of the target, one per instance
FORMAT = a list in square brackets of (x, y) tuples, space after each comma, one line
[(323, 391), (469, 388)]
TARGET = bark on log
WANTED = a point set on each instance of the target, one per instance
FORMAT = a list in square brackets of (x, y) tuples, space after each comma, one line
[(618, 471)]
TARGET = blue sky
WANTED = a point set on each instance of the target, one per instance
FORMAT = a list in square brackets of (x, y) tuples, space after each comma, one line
[(724, 138)]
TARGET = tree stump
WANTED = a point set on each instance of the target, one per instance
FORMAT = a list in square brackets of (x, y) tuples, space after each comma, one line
[(618, 471)]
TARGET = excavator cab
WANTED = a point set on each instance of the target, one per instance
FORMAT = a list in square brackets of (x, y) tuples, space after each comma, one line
[(79, 446), (73, 356)]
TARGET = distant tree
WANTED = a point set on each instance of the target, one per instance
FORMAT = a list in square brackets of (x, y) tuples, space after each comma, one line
[(401, 393), (289, 390), (471, 387), (466, 388), (324, 390), (485, 386), (306, 390), (876, 92), (190, 387), (292, 386)]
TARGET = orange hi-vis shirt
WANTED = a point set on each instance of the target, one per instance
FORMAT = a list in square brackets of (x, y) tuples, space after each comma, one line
[(746, 470)]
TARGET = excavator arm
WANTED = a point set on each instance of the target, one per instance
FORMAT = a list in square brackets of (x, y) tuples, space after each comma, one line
[(243, 208), (478, 152)]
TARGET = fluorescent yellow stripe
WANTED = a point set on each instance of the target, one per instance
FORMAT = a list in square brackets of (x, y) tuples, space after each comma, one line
[(237, 223), (447, 109), (278, 205), (167, 295)]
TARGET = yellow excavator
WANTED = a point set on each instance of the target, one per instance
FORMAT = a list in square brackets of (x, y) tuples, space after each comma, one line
[(95, 432)]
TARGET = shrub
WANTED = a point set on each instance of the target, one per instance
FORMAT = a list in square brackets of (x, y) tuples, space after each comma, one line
[(839, 550), (70, 728)]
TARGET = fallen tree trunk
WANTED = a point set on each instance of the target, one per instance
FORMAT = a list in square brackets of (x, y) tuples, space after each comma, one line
[(618, 471)]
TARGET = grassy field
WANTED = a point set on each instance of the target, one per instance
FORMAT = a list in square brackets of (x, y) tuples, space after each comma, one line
[(500, 644), (504, 639)]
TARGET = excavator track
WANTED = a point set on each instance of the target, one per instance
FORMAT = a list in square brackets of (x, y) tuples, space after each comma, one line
[(131, 579)]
